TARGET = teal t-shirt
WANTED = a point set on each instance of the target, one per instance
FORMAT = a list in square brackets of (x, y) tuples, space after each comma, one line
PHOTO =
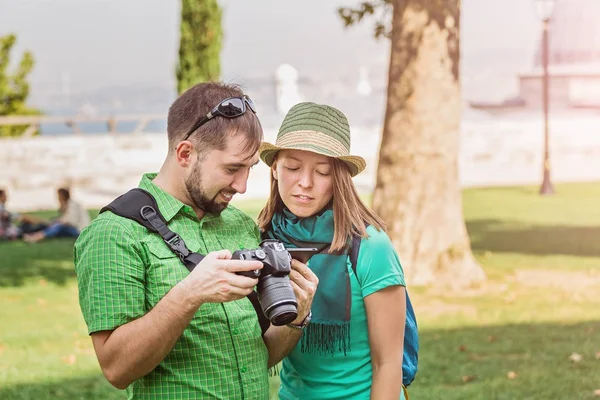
[(326, 377)]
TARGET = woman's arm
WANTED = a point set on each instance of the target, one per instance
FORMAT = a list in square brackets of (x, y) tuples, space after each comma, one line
[(386, 317)]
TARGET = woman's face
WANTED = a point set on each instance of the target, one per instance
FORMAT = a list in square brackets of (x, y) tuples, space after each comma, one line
[(304, 180)]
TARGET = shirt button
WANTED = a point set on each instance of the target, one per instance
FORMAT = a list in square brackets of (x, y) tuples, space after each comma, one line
[(244, 369)]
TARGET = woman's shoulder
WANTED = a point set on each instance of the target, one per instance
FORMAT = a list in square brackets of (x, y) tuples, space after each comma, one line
[(376, 238)]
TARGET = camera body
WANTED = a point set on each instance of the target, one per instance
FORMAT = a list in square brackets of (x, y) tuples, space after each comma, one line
[(274, 256), (275, 293)]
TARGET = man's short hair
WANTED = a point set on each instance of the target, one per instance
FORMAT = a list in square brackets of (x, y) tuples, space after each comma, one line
[(64, 193), (199, 100)]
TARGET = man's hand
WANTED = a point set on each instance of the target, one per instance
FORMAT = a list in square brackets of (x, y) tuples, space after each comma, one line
[(305, 283), (214, 280)]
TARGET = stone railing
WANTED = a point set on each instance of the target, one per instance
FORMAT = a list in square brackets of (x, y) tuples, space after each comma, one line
[(100, 167)]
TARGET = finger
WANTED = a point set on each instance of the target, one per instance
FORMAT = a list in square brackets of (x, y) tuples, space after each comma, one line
[(235, 293), (240, 291), (297, 291), (219, 255), (241, 281), (303, 284), (241, 265), (304, 270)]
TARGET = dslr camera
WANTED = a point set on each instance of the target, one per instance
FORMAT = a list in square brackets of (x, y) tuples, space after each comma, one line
[(275, 292)]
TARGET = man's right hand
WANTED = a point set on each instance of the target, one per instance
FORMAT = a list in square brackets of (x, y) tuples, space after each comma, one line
[(214, 280)]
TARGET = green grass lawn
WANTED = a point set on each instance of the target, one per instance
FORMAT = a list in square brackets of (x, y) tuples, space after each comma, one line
[(510, 338)]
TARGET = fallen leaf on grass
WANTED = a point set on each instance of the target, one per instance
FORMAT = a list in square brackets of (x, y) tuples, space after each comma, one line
[(491, 338), (511, 375), (462, 348), (43, 282), (41, 302), (575, 357), (468, 378), (1, 349), (598, 355), (597, 392)]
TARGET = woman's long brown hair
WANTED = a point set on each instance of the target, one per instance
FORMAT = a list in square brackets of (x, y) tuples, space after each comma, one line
[(350, 215)]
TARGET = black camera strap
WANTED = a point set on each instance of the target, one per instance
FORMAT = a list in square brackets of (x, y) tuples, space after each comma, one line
[(140, 206)]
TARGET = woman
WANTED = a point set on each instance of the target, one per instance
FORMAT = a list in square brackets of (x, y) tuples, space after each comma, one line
[(71, 220), (353, 346)]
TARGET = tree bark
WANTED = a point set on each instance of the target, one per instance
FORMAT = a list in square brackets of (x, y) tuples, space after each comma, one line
[(418, 191)]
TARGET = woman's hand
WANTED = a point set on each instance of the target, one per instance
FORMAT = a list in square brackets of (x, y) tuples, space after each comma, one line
[(305, 283)]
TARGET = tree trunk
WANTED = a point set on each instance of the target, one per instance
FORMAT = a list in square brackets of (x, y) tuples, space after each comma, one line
[(418, 192)]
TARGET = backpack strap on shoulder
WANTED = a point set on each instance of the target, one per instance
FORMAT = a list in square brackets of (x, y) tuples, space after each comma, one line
[(354, 249), (140, 206)]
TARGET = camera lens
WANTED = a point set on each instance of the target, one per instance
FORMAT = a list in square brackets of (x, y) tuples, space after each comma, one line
[(284, 314), (277, 299)]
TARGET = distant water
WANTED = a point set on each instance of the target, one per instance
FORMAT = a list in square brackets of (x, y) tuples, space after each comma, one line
[(125, 127)]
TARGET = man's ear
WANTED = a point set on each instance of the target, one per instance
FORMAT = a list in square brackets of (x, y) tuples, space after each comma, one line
[(184, 152)]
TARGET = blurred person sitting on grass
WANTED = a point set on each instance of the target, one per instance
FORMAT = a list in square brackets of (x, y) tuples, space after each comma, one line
[(8, 227), (72, 218)]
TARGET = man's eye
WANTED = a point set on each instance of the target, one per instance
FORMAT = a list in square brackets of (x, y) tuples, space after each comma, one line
[(232, 170)]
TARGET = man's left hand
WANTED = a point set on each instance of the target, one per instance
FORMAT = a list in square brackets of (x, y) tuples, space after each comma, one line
[(305, 283)]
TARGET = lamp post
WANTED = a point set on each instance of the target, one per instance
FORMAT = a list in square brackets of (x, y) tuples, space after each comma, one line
[(544, 9)]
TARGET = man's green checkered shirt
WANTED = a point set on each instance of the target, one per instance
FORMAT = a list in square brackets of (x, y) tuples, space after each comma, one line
[(123, 271)]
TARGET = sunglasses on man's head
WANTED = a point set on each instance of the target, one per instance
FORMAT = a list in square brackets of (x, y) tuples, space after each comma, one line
[(231, 107)]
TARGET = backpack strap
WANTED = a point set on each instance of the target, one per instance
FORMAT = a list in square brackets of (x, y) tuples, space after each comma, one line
[(354, 249), (140, 206)]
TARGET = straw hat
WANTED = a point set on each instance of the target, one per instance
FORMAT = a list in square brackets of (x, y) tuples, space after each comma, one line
[(317, 128)]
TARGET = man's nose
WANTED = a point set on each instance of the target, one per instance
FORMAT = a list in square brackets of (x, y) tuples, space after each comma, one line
[(240, 182)]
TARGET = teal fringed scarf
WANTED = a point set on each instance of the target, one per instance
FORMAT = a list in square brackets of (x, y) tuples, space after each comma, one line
[(329, 330)]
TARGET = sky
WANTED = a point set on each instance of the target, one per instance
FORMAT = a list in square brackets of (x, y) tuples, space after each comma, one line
[(91, 44)]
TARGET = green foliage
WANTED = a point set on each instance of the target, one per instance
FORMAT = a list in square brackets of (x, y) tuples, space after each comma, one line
[(14, 88), (200, 43), (379, 9)]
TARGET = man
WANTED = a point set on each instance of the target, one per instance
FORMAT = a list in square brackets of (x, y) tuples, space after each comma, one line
[(157, 329)]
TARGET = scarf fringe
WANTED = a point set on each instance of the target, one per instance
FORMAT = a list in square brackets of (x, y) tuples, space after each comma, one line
[(326, 339)]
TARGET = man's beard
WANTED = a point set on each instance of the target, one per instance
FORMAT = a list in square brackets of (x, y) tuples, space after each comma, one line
[(193, 184)]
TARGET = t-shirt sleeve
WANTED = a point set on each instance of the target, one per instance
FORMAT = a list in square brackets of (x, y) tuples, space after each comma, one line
[(110, 275), (378, 264)]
